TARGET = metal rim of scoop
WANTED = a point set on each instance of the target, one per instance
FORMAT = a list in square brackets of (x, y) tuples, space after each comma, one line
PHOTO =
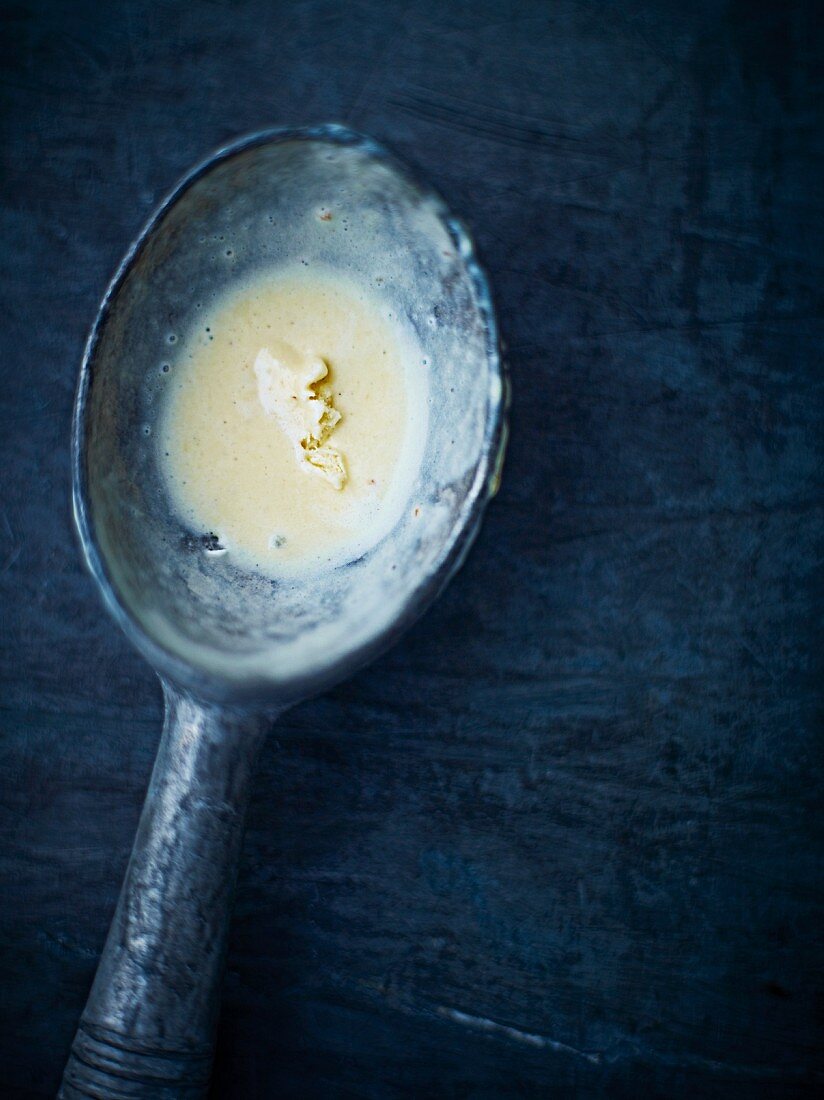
[(467, 522)]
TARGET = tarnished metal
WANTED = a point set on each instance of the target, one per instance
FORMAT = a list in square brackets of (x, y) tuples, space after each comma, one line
[(148, 1024)]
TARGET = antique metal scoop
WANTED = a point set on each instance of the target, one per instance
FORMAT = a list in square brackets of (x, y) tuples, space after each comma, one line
[(232, 648)]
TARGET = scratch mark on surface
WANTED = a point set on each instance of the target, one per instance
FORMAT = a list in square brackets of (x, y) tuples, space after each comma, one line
[(682, 1059), (494, 128), (381, 72), (12, 558), (15, 551), (597, 1058), (530, 1038), (481, 109)]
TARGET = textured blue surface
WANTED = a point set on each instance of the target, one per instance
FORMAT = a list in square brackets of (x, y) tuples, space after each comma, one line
[(566, 838)]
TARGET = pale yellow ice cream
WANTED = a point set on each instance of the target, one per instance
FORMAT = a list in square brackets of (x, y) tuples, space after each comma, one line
[(295, 420)]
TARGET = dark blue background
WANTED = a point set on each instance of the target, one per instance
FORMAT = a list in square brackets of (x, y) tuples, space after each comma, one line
[(565, 838)]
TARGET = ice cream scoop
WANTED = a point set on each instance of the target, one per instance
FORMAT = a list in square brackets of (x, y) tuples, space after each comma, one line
[(232, 647)]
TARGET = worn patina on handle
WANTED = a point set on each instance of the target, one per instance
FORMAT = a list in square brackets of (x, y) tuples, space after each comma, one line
[(148, 1026)]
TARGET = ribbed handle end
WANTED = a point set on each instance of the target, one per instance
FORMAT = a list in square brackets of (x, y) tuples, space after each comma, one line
[(105, 1065)]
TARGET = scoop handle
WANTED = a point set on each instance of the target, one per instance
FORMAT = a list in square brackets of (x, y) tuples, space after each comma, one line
[(148, 1026)]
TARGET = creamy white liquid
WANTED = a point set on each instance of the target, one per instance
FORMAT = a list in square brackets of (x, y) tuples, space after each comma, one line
[(230, 457)]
